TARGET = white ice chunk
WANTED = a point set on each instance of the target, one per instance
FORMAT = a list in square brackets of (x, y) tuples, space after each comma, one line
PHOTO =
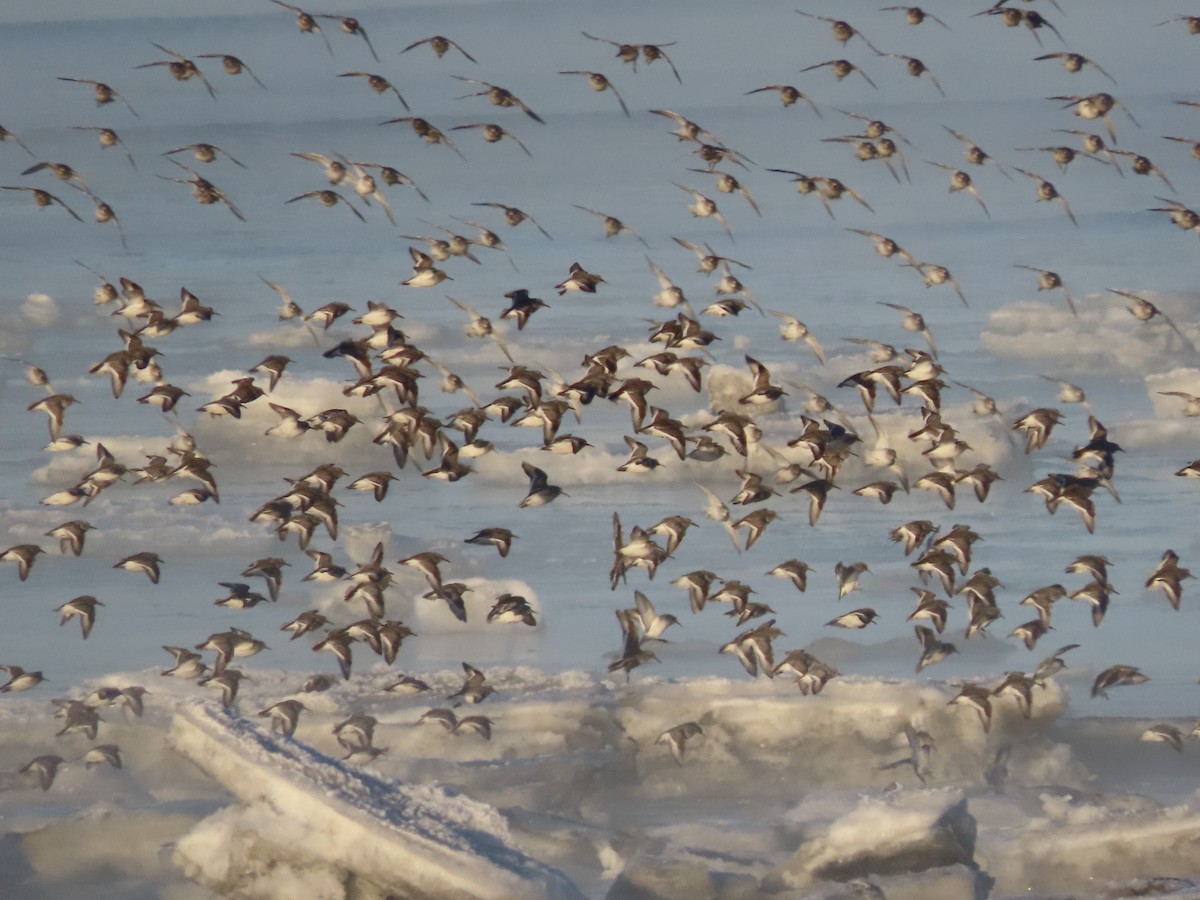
[(310, 813)]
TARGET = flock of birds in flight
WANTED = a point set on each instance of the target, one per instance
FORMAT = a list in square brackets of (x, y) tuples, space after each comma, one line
[(387, 367)]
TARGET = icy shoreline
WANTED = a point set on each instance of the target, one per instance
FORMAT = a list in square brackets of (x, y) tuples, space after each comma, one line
[(780, 795)]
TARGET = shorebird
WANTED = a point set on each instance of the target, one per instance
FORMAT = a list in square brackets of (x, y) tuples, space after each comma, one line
[(612, 225), (475, 688), (817, 490), (42, 769), (102, 92), (426, 131), (6, 135), (284, 715), (1030, 632), (514, 216), (228, 682), (686, 129), (1031, 19), (1096, 595), (269, 568), (350, 25), (20, 680), (885, 247), (579, 279), (1192, 405), (1093, 146), (913, 534), (205, 192), (146, 562), (598, 82), (915, 15), (632, 654), (107, 137), (499, 97), (699, 585), (521, 307), (1049, 281), (1037, 425), (1191, 23), (102, 754), (378, 84), (335, 169), (914, 322), (933, 650), (1097, 106), (933, 275), (703, 207), (842, 31), (788, 94), (1068, 392), (977, 698), (1117, 676), (639, 460), (24, 556), (628, 53), (79, 718), (648, 622), (708, 259), (754, 650), (1185, 219), (877, 490), (1141, 165), (1165, 732), (440, 45), (512, 608), (305, 623), (1075, 62), (407, 685), (811, 674), (1052, 664), (961, 181), (676, 738), (763, 392), (493, 133), (481, 725), (930, 607), (70, 536), (1168, 576), (180, 67), (339, 644), (916, 68), (981, 478), (975, 154), (356, 733), (232, 65), (306, 22), (328, 198), (43, 198), (83, 608), (858, 618), (1191, 142), (728, 184), (842, 68), (1064, 156), (847, 577), (755, 523), (541, 491)]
